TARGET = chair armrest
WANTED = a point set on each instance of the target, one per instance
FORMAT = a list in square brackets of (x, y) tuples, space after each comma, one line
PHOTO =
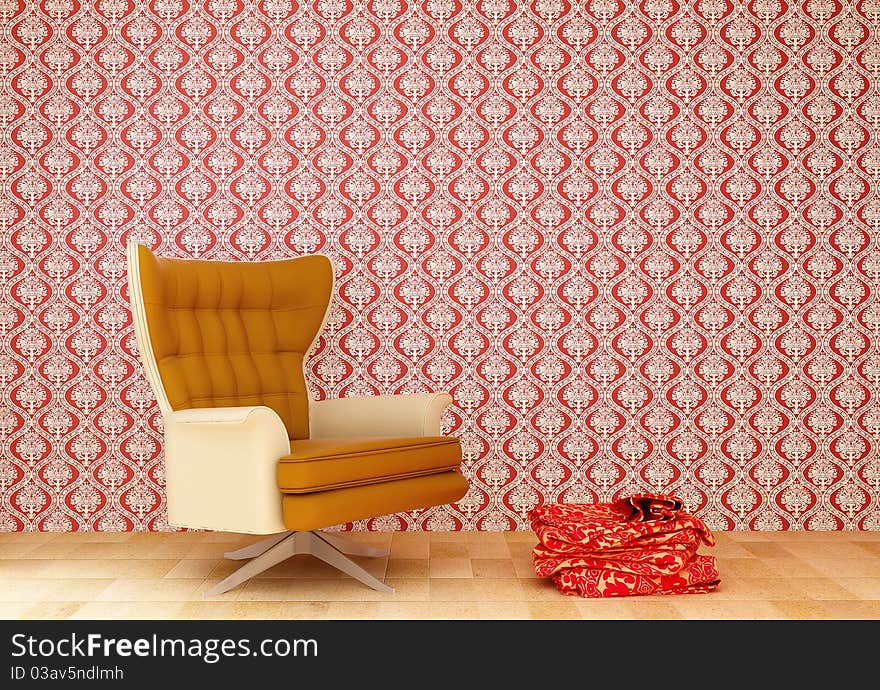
[(223, 415), (380, 415), (220, 468)]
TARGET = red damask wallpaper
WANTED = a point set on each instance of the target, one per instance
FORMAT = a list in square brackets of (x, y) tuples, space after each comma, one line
[(637, 241)]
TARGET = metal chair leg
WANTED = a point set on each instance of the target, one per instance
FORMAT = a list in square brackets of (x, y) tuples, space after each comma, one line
[(278, 548)]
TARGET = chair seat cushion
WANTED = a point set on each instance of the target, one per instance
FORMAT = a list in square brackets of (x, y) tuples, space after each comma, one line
[(334, 463), (318, 509)]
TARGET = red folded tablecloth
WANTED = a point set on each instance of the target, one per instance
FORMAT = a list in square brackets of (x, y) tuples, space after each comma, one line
[(641, 544), (699, 575)]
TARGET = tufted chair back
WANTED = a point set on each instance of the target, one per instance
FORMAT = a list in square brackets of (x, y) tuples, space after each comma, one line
[(229, 334)]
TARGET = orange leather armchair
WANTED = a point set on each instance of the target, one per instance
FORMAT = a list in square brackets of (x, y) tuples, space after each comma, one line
[(246, 450)]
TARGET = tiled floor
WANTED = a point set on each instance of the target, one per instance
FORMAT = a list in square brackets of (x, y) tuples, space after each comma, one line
[(435, 575)]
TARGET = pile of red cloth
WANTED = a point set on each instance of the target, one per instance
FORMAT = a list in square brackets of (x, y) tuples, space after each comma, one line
[(640, 544)]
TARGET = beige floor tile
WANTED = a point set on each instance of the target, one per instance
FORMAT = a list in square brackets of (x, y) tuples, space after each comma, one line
[(348, 589), (733, 549), (520, 549), (524, 567), (52, 610), (792, 567), (318, 610), (337, 610), (439, 610), (187, 549), (503, 610), (26, 567), (207, 610), (407, 567), (707, 607), (206, 550), (744, 567), (493, 567), (257, 610), (495, 548), (10, 610), (774, 589), (846, 567), (553, 610), (233, 610), (130, 569), (118, 610), (500, 589), (452, 589), (314, 610), (55, 549), (800, 609), (192, 568), (450, 567), (12, 590), (127, 550), (867, 588), (317, 589), (822, 589), (410, 545), (763, 549), (143, 569), (414, 550), (265, 590), (149, 590), (853, 610), (604, 609), (732, 589), (653, 608), (79, 589), (449, 549), (872, 547), (827, 549), (19, 549), (308, 566)]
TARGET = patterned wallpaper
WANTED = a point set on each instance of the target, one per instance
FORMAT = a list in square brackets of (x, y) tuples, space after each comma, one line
[(638, 241)]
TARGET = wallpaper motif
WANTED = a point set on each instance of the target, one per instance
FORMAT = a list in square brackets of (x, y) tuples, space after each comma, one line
[(637, 241)]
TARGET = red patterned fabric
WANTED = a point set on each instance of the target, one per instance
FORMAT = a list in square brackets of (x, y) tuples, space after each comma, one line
[(699, 576), (641, 544)]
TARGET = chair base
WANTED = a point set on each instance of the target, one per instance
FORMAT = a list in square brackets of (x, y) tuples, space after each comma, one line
[(330, 548)]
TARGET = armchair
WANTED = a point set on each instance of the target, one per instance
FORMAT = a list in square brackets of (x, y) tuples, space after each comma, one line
[(246, 450)]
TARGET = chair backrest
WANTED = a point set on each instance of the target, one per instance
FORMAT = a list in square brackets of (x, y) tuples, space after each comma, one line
[(229, 333)]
